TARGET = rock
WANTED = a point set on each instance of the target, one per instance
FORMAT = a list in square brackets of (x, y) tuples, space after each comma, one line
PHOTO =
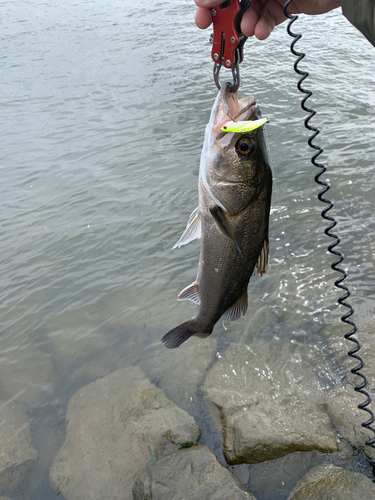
[(179, 372), (26, 374), (116, 425), (270, 402), (16, 452), (190, 474), (326, 481), (345, 415)]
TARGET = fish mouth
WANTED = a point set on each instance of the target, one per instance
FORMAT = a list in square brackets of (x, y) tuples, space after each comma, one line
[(229, 107)]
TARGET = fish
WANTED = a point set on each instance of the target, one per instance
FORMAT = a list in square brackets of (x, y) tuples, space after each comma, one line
[(232, 219)]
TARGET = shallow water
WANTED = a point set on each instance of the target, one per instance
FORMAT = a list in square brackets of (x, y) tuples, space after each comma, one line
[(104, 106)]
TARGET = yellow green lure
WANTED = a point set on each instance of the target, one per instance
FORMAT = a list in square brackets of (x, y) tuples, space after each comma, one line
[(243, 126)]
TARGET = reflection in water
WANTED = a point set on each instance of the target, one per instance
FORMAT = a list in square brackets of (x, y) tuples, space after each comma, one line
[(102, 131)]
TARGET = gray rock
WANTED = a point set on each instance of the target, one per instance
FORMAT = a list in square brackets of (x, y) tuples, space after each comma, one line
[(116, 425), (328, 482), (179, 372), (270, 403), (343, 409), (192, 474), (16, 452)]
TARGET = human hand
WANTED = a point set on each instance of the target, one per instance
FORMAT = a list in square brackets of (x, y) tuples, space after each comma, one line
[(263, 15)]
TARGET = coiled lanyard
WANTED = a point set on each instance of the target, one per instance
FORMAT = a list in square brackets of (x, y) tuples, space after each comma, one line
[(227, 50), (353, 353)]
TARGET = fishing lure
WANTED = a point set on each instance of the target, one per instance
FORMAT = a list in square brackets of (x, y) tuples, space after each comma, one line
[(243, 126)]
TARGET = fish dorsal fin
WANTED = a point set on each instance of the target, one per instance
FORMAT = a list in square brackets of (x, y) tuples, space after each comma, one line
[(193, 229), (190, 293), (237, 310), (263, 258)]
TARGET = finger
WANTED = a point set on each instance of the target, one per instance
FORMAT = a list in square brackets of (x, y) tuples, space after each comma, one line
[(263, 29), (208, 4), (203, 18), (250, 19), (271, 15)]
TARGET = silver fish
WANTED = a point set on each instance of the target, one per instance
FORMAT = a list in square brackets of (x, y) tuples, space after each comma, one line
[(235, 185)]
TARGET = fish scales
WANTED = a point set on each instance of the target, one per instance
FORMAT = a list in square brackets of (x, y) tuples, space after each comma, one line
[(221, 262), (232, 219)]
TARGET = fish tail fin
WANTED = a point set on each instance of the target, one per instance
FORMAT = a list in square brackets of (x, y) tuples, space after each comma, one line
[(175, 337)]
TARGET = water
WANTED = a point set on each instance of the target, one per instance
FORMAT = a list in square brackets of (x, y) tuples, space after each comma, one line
[(104, 106)]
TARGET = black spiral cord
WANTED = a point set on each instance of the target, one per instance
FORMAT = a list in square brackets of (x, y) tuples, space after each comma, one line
[(326, 186)]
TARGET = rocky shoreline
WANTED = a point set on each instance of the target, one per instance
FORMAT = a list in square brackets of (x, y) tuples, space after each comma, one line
[(127, 438)]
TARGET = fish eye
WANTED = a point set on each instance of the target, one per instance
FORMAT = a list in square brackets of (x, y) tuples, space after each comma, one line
[(245, 146)]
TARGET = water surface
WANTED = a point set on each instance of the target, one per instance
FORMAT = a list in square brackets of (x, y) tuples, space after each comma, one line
[(104, 106)]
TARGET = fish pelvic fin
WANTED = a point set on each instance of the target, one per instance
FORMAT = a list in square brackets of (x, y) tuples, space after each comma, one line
[(190, 293), (263, 258), (178, 335), (193, 229), (218, 217), (237, 310)]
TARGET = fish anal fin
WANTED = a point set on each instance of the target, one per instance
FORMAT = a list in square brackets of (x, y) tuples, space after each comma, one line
[(190, 293), (218, 217), (263, 258), (193, 229), (237, 310)]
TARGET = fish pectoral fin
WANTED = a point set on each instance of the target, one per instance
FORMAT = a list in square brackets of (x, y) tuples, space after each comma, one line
[(190, 293), (218, 217), (193, 229), (263, 258), (237, 310)]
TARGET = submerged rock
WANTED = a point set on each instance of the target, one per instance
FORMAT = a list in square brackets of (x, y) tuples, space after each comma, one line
[(328, 482), (270, 403), (191, 474), (179, 372), (343, 409), (16, 452), (115, 426)]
